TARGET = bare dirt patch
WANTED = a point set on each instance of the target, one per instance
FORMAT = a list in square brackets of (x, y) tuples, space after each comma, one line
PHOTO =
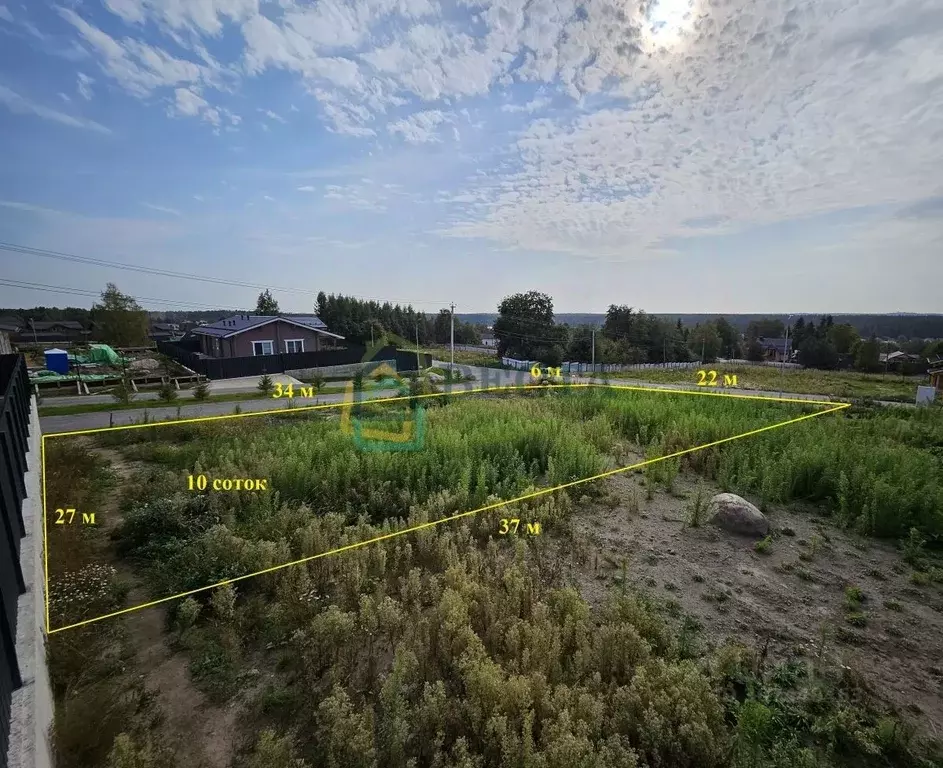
[(200, 733), (792, 596)]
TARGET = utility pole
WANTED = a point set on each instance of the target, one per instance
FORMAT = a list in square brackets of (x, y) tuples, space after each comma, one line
[(452, 337), (594, 347), (782, 367), (418, 367)]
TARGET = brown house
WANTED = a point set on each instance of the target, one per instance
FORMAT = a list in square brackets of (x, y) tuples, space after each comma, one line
[(253, 335)]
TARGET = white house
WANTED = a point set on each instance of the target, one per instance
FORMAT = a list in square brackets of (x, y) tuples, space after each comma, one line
[(488, 339)]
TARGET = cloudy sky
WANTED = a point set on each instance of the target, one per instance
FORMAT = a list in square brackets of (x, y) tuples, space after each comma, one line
[(677, 155)]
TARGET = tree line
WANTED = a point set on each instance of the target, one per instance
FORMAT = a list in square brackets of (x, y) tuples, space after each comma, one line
[(526, 328)]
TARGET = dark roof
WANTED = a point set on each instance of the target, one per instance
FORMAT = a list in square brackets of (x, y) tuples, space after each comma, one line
[(232, 326), (10, 323), (52, 325), (780, 345), (166, 327)]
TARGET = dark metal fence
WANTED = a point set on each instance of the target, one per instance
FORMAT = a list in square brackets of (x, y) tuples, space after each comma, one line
[(234, 367), (14, 430)]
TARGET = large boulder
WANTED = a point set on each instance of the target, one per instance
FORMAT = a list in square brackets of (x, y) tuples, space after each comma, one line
[(737, 515)]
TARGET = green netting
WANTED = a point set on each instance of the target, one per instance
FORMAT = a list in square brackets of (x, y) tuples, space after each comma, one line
[(102, 353)]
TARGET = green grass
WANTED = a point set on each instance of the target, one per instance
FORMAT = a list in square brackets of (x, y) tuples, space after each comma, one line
[(455, 641), (844, 384)]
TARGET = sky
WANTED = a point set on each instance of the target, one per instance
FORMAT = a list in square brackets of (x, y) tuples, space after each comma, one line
[(674, 155)]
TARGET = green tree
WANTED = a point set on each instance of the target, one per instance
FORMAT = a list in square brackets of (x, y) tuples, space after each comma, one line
[(704, 342), (818, 352), (868, 357), (580, 348), (754, 351), (729, 338), (266, 305), (274, 751), (525, 327), (843, 336), (120, 319)]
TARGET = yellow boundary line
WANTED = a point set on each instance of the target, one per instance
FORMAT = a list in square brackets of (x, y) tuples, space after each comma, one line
[(421, 526)]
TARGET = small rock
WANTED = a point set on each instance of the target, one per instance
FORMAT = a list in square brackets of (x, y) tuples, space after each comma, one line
[(737, 515)]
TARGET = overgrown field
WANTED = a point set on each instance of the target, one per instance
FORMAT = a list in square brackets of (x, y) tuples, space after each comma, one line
[(847, 384), (457, 646)]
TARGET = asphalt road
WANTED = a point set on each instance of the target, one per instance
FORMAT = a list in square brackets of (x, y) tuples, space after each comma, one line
[(484, 377)]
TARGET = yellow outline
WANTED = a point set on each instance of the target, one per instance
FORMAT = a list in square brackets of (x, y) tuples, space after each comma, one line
[(412, 529)]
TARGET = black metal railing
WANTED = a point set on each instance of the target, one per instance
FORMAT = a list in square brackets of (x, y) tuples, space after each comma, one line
[(14, 431)]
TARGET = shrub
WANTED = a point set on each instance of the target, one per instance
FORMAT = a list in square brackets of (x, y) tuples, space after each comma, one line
[(266, 385), (912, 548), (853, 597), (696, 511), (186, 615), (123, 392), (201, 391), (358, 380), (764, 545), (167, 392), (274, 751)]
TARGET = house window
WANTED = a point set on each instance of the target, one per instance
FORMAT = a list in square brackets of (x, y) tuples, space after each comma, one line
[(263, 347), (294, 345)]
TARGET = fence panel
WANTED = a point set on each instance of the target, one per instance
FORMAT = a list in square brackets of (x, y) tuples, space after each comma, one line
[(236, 367), (14, 431)]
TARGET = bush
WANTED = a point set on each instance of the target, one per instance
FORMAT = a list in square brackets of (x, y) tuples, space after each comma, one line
[(201, 391), (123, 392), (764, 545), (358, 380), (167, 392), (265, 384)]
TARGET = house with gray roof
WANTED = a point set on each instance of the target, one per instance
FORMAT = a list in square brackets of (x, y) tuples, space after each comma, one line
[(254, 335)]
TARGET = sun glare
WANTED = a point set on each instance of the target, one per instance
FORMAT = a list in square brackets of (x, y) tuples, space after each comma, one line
[(668, 20)]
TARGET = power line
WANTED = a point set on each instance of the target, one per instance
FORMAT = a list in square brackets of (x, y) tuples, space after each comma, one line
[(97, 294), (71, 257)]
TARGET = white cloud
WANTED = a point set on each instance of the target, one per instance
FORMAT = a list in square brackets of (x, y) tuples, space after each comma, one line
[(269, 198), (22, 106), (5, 14), (420, 127), (306, 188), (198, 198), (272, 115), (534, 105), (162, 209), (189, 103), (84, 86), (199, 16), (141, 68), (741, 114)]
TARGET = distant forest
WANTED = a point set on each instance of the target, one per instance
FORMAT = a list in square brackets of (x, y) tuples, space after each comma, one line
[(883, 326), (895, 326)]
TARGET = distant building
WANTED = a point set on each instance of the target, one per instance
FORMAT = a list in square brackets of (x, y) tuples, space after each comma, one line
[(488, 339), (165, 331), (51, 331), (252, 335), (776, 350)]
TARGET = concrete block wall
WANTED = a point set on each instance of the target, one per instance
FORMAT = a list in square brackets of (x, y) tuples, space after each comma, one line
[(32, 706)]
